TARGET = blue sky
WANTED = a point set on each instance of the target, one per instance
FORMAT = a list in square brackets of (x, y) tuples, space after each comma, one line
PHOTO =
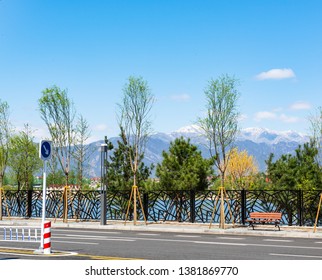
[(91, 48)]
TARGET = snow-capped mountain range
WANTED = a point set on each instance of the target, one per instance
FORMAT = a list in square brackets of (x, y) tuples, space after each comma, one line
[(258, 142), (263, 135), (254, 134)]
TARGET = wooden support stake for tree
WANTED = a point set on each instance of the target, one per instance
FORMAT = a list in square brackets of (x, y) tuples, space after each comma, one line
[(3, 198), (223, 197), (317, 214), (65, 199), (135, 194)]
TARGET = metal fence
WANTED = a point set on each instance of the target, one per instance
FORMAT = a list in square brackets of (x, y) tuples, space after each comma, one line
[(297, 207)]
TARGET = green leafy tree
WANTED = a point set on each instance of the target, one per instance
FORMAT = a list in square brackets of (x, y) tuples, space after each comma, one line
[(56, 178), (24, 158), (183, 167)]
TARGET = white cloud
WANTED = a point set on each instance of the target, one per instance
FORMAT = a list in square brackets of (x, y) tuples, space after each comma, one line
[(181, 97), (300, 105), (93, 139), (276, 74), (288, 119), (242, 117), (39, 133), (100, 127), (265, 115)]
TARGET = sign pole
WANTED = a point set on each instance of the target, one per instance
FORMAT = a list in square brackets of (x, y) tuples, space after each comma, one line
[(43, 216), (45, 155)]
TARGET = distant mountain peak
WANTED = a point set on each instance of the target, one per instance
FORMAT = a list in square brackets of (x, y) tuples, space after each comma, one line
[(264, 135), (193, 129), (254, 134)]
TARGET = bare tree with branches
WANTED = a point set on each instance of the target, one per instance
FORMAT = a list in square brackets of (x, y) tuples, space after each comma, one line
[(220, 126), (5, 135), (316, 129), (58, 113), (82, 152), (134, 120)]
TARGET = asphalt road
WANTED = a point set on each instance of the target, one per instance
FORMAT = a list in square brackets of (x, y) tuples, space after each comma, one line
[(74, 244)]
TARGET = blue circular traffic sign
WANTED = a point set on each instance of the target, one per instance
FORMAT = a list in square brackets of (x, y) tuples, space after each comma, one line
[(45, 150)]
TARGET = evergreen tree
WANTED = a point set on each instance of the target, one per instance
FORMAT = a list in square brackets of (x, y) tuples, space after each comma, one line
[(299, 171), (183, 167), (119, 172)]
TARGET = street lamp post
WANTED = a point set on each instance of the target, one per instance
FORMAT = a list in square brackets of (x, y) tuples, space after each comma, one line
[(103, 183), (104, 160)]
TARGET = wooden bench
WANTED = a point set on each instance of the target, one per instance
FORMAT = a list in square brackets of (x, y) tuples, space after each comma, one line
[(265, 218)]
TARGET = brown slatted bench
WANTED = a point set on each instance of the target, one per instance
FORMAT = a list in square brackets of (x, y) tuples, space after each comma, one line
[(264, 218)]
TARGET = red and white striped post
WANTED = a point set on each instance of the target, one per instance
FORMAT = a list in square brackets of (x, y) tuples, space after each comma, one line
[(46, 238)]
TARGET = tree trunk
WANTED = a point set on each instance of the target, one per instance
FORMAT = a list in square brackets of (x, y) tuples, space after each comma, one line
[(222, 202)]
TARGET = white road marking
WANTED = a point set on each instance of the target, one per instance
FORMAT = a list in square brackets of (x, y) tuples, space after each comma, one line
[(231, 238), (296, 256), (54, 254), (188, 236), (277, 240), (255, 245), (18, 254), (85, 236), (74, 242), (220, 243), (149, 234), (102, 238), (90, 231)]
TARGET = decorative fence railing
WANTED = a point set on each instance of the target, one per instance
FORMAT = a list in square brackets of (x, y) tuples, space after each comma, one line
[(298, 207)]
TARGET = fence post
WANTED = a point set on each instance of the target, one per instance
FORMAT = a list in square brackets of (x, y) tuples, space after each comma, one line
[(65, 204), (243, 206), (300, 206), (192, 206), (29, 203), (1, 189), (146, 205)]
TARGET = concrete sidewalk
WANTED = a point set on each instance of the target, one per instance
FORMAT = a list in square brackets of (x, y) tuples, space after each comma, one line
[(194, 228)]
